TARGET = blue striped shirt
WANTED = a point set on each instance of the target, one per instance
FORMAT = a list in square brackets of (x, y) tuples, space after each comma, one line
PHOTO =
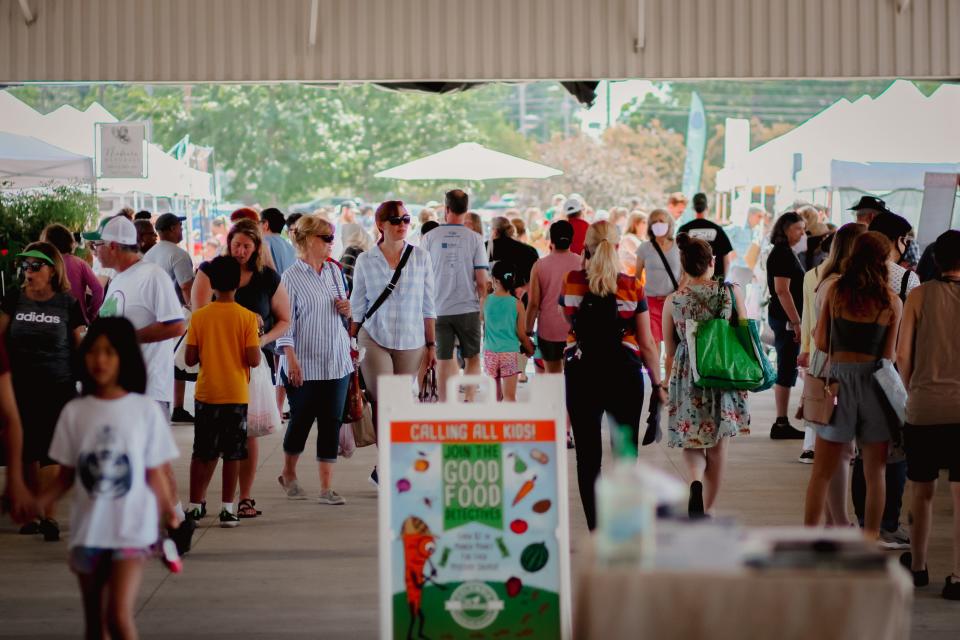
[(398, 323), (317, 333)]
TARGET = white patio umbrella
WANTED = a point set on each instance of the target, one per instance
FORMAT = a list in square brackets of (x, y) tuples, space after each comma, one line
[(28, 162), (469, 161)]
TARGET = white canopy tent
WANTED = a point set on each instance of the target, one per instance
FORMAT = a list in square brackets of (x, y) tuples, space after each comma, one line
[(469, 161), (869, 145), (73, 130), (26, 162)]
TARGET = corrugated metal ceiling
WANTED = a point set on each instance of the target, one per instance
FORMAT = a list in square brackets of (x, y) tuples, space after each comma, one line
[(418, 40)]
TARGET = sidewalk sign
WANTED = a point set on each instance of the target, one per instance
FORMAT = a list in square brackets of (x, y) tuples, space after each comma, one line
[(474, 522)]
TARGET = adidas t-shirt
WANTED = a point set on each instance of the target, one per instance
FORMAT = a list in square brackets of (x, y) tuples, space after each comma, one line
[(111, 444), (39, 341)]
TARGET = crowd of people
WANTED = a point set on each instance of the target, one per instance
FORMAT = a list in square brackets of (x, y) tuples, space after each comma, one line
[(96, 358)]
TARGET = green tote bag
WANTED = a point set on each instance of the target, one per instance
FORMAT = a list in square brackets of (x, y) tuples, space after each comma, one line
[(724, 356)]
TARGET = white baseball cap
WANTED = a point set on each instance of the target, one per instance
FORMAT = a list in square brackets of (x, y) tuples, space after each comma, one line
[(572, 205), (116, 229)]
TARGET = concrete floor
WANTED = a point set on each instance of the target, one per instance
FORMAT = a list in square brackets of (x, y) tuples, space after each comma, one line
[(304, 570)]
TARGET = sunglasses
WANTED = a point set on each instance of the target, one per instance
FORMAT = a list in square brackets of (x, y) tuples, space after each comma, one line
[(32, 267), (398, 220), (326, 238)]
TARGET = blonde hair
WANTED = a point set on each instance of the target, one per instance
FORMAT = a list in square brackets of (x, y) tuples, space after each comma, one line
[(307, 226), (635, 218), (250, 229), (358, 238), (603, 266), (660, 213)]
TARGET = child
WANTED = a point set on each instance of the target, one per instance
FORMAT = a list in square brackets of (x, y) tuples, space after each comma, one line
[(503, 332), (115, 440), (224, 339)]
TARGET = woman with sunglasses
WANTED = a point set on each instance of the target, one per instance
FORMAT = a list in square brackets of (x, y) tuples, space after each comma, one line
[(315, 362), (399, 336), (41, 324), (261, 292)]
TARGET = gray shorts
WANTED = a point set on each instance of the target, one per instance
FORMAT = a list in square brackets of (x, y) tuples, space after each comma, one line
[(463, 327), (862, 413)]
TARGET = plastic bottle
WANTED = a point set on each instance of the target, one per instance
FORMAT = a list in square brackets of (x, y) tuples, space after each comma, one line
[(626, 509)]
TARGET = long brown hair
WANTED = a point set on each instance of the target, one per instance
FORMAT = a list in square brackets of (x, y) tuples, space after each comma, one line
[(250, 229), (863, 286), (840, 248)]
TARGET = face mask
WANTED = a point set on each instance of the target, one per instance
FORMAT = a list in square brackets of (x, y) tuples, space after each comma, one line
[(801, 244), (659, 229)]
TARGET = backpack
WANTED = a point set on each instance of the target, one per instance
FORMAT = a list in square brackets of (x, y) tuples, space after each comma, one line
[(598, 326)]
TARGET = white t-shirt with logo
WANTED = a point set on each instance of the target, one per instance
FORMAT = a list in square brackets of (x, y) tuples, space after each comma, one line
[(456, 252), (110, 444), (142, 294)]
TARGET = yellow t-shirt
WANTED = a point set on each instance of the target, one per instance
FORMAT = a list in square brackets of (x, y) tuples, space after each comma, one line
[(222, 331)]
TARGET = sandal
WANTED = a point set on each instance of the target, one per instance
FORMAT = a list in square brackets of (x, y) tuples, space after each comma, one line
[(248, 509)]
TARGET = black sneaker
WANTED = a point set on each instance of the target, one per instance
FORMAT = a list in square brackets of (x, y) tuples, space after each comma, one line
[(197, 513), (182, 536), (951, 590), (374, 478), (50, 530), (920, 578), (182, 416), (31, 528), (228, 520), (806, 457), (695, 506), (785, 431)]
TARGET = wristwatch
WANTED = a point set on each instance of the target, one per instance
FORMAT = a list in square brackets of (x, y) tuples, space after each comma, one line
[(531, 334), (431, 344)]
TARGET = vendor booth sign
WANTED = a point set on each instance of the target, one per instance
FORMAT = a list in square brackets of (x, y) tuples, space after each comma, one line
[(121, 149), (473, 514)]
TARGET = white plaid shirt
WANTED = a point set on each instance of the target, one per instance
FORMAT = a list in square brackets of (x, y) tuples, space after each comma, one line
[(398, 323)]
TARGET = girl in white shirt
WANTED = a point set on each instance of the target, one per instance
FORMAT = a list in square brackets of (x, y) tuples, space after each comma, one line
[(114, 440)]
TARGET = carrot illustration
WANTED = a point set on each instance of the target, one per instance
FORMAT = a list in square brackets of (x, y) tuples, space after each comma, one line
[(526, 488)]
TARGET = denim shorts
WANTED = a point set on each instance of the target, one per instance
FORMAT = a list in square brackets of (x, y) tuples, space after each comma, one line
[(87, 560)]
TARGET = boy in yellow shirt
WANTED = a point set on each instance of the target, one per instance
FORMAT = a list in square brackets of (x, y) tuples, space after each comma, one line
[(224, 340)]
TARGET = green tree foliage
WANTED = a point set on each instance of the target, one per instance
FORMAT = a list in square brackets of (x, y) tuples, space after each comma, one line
[(24, 214), (283, 143), (624, 164)]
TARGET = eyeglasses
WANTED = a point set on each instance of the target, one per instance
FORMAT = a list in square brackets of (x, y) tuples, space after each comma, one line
[(95, 244), (398, 220), (326, 238), (32, 267)]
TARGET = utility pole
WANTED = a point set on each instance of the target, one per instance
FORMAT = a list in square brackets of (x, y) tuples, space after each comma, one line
[(522, 99)]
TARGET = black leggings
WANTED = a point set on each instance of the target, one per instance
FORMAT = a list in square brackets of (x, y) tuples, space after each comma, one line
[(592, 388)]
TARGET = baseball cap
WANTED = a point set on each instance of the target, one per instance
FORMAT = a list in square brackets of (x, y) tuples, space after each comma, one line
[(167, 221), (36, 253), (117, 229), (869, 202), (572, 205), (561, 234)]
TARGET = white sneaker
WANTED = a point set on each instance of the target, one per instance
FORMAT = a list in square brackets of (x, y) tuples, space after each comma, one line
[(329, 496)]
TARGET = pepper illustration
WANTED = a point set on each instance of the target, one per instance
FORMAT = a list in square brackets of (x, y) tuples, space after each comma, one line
[(526, 488), (418, 545)]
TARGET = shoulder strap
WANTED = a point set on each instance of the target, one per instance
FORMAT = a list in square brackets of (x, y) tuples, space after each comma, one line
[(390, 285), (904, 283), (734, 314), (666, 265)]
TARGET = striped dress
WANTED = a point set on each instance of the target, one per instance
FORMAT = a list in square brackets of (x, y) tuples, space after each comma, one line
[(317, 332)]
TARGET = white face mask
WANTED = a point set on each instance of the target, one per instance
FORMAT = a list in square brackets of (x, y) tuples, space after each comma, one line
[(659, 229), (801, 244)]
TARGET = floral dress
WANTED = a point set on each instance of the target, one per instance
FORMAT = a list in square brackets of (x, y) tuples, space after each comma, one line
[(699, 418)]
